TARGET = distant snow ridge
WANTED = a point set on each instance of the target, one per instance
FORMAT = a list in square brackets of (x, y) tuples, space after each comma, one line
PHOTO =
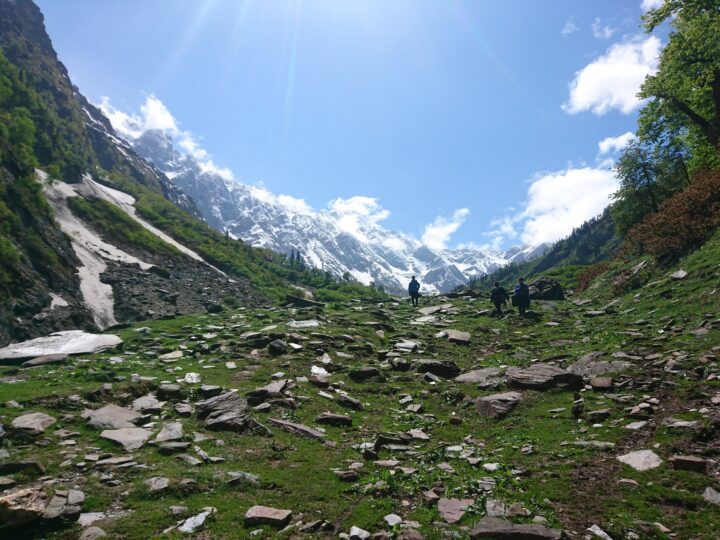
[(371, 254)]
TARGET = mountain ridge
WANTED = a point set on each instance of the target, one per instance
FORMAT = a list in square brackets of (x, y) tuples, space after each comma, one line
[(368, 252)]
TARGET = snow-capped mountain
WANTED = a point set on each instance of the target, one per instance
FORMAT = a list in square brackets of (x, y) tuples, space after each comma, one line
[(369, 252)]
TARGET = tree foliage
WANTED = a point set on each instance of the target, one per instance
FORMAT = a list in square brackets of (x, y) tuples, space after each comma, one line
[(685, 91)]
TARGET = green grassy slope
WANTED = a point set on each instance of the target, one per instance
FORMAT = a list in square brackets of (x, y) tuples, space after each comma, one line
[(663, 328)]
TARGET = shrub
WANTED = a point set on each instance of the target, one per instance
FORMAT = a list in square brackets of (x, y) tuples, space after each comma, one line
[(586, 277), (683, 223)]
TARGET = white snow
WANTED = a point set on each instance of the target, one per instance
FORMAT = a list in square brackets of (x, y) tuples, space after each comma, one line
[(92, 250), (67, 342), (57, 301)]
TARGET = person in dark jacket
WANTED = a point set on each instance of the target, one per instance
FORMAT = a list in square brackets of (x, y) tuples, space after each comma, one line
[(414, 291), (521, 297), (499, 297)]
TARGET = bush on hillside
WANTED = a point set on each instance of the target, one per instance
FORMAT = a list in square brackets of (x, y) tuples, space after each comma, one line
[(586, 277), (683, 223)]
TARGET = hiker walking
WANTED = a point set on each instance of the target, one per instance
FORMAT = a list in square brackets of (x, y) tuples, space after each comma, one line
[(521, 297), (414, 291), (499, 297)]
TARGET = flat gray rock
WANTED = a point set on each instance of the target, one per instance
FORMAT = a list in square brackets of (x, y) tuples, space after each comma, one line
[(92, 533), (33, 423), (172, 431), (711, 496), (501, 529), (147, 403), (226, 411), (67, 342), (265, 515), (497, 405), (452, 510), (111, 417), (641, 460), (298, 429), (543, 377), (592, 365), (157, 483), (483, 377), (130, 438)]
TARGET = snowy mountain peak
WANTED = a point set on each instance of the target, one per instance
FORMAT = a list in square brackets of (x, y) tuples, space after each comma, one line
[(346, 238)]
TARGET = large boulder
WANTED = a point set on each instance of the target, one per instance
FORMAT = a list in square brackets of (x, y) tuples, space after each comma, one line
[(543, 377), (447, 369), (484, 377), (227, 411), (596, 363), (32, 424), (497, 405), (546, 289), (22, 506), (111, 417)]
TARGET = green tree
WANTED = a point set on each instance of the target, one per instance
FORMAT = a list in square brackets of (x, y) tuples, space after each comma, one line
[(648, 175), (685, 92)]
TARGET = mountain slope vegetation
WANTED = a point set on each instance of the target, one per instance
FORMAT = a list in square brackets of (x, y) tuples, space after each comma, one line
[(47, 124)]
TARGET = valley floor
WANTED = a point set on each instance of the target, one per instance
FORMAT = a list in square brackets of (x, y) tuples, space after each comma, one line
[(408, 450)]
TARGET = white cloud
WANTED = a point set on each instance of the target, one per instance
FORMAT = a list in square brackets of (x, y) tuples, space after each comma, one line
[(613, 80), (288, 202), (394, 243), (353, 212), (647, 5), (294, 204), (570, 27), (128, 126), (615, 144), (600, 31), (438, 233), (155, 115), (559, 201)]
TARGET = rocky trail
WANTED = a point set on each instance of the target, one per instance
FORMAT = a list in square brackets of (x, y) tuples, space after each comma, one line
[(591, 418)]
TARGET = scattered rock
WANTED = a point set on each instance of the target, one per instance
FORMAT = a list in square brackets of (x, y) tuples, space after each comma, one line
[(689, 463), (711, 496), (265, 515), (543, 377), (111, 417), (192, 524), (484, 378), (92, 533), (46, 360), (641, 460), (447, 369), (157, 483), (452, 510), (501, 529), (22, 506), (32, 424), (334, 419), (227, 411), (498, 405), (298, 429), (172, 431), (130, 438)]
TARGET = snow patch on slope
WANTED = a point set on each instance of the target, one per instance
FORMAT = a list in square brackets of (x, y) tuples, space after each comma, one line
[(92, 251)]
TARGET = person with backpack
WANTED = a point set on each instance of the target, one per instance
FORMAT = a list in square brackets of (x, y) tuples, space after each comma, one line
[(414, 291), (521, 297), (499, 297)]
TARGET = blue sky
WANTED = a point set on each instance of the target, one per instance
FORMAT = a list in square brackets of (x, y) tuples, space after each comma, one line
[(461, 122)]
